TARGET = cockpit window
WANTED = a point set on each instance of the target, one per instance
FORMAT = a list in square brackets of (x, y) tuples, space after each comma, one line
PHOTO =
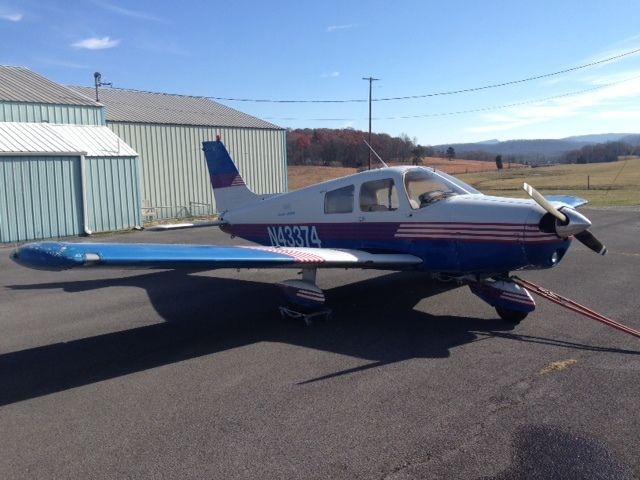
[(425, 188), (378, 196)]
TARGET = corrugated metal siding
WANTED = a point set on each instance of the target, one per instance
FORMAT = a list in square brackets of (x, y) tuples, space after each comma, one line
[(93, 140), (32, 138), (51, 113), (113, 193), (135, 106), (20, 84), (173, 169), (39, 198)]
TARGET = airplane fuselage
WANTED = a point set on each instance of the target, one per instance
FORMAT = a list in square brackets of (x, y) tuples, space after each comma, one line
[(465, 233)]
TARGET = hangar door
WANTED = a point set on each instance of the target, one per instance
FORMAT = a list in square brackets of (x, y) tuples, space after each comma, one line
[(40, 197)]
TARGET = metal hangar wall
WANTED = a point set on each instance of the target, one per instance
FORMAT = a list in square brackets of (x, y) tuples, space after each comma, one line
[(62, 171), (64, 180), (141, 161), (167, 131)]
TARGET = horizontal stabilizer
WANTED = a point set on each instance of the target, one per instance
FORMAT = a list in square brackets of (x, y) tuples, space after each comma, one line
[(182, 226), (568, 200)]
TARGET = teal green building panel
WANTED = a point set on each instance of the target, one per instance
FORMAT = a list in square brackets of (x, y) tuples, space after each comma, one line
[(51, 113), (173, 174), (113, 193), (39, 198)]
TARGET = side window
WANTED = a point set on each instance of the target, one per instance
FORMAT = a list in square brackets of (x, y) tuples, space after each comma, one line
[(339, 201), (378, 196)]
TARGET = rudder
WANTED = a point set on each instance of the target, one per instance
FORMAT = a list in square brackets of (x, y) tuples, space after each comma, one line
[(229, 188)]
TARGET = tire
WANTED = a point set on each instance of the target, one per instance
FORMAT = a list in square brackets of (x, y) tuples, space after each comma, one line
[(511, 316)]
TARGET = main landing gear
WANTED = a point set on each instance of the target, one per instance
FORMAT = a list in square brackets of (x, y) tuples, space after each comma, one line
[(305, 300)]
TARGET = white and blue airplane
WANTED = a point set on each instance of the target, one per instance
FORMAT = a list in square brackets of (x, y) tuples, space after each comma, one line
[(393, 218)]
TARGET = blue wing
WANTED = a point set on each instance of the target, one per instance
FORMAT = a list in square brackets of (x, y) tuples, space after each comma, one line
[(63, 255)]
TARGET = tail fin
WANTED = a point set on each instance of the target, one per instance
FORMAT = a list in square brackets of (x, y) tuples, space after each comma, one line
[(229, 188)]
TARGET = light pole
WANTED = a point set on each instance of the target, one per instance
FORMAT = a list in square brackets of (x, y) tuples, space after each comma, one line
[(371, 80)]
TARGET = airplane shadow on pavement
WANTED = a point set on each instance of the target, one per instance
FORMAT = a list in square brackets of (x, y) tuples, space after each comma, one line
[(205, 315)]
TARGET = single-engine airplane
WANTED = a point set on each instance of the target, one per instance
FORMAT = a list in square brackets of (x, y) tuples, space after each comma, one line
[(393, 218)]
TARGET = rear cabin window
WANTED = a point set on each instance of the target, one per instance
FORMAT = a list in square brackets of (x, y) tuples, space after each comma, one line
[(339, 201), (378, 196)]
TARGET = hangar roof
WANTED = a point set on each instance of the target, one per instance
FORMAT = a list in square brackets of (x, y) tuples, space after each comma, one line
[(163, 108), (19, 84), (45, 138)]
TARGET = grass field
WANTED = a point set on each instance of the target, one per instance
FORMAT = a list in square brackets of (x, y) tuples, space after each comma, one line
[(610, 184), (603, 184), (301, 176)]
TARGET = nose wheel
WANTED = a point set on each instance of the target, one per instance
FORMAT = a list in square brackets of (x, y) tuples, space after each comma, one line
[(511, 316)]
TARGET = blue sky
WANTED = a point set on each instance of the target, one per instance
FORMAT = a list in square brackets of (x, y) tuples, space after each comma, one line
[(321, 50)]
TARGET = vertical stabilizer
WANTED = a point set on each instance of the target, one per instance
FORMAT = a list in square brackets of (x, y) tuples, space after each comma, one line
[(229, 188)]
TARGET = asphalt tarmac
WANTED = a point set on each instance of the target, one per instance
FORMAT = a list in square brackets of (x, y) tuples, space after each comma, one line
[(172, 374)]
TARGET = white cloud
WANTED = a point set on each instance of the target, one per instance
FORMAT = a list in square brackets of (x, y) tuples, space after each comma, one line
[(333, 28), (11, 17), (619, 115), (128, 13), (623, 47), (95, 43), (589, 103), (331, 75)]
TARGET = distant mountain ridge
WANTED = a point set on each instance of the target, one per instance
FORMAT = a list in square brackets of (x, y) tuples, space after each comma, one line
[(539, 150)]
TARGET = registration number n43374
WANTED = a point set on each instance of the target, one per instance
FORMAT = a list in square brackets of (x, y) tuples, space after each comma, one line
[(294, 236)]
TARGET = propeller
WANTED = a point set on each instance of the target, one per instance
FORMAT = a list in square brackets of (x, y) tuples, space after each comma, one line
[(568, 222)]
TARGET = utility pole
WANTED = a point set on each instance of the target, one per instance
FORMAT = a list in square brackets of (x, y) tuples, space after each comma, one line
[(371, 80)]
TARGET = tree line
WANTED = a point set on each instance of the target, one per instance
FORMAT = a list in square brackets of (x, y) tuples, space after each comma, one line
[(600, 152), (346, 147)]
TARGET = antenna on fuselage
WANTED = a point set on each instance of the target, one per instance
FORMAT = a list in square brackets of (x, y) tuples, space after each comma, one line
[(375, 153)]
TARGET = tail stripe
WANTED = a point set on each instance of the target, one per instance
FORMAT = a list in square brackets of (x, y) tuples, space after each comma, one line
[(229, 188)]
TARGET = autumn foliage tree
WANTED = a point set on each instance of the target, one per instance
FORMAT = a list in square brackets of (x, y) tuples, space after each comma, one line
[(344, 147)]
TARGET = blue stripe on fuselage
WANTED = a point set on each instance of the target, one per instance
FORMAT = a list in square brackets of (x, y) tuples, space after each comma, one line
[(452, 255)]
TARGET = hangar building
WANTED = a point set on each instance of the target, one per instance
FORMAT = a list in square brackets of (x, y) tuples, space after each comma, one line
[(167, 131), (70, 165)]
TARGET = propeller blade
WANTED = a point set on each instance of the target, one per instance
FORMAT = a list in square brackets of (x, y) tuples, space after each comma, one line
[(544, 203), (587, 238)]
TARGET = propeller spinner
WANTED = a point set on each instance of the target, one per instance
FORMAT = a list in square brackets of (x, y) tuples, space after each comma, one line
[(568, 222)]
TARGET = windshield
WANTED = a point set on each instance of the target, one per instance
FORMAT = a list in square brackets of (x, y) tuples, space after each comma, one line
[(426, 187)]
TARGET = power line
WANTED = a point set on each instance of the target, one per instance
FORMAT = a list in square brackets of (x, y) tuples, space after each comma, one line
[(461, 112), (436, 94)]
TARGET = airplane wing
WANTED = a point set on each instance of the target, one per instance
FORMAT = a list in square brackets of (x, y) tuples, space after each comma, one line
[(63, 255)]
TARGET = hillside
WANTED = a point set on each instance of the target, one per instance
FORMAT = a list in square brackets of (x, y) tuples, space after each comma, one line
[(540, 150)]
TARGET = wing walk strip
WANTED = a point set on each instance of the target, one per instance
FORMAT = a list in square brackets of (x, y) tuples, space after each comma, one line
[(298, 255)]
